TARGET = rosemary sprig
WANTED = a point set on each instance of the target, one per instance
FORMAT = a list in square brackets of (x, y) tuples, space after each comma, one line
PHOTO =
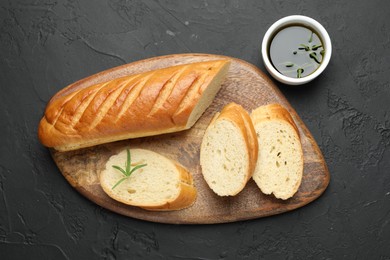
[(299, 73), (313, 55), (127, 171), (304, 47), (315, 47)]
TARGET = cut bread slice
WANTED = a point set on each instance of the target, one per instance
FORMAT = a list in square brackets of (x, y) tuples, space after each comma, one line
[(279, 166), (160, 185), (229, 151)]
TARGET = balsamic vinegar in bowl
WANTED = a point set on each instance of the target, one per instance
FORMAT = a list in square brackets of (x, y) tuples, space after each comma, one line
[(296, 51)]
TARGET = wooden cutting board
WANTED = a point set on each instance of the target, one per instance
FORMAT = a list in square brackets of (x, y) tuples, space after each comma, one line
[(245, 85)]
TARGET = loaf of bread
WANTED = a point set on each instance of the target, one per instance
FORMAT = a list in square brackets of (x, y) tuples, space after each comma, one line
[(279, 166), (151, 103), (229, 151), (161, 185)]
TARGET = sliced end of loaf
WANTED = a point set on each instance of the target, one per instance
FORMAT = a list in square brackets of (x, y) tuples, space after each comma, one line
[(226, 155), (279, 166), (209, 93), (161, 185)]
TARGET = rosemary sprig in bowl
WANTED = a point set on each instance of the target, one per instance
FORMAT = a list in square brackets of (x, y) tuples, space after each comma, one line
[(127, 171)]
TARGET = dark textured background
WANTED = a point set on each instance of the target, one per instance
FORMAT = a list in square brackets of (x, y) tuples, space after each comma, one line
[(48, 44)]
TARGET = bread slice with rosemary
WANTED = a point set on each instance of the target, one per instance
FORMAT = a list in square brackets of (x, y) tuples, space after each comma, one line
[(149, 180), (229, 151), (279, 167)]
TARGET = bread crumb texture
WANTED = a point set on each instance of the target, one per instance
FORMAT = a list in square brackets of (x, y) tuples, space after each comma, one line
[(279, 166), (224, 158), (157, 184)]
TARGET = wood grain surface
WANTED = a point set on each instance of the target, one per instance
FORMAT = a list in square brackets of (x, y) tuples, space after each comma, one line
[(245, 85)]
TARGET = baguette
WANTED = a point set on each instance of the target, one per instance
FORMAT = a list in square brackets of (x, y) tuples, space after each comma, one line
[(151, 103), (279, 166), (161, 185), (229, 151)]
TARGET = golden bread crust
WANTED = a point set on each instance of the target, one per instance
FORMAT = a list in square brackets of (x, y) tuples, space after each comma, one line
[(150, 103)]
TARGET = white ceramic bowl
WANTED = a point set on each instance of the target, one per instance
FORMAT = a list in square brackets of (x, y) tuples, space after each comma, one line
[(294, 20)]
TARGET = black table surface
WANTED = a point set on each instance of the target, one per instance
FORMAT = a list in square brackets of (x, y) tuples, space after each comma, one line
[(46, 45)]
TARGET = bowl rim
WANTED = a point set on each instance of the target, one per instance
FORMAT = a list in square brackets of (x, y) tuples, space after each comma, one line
[(305, 21)]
